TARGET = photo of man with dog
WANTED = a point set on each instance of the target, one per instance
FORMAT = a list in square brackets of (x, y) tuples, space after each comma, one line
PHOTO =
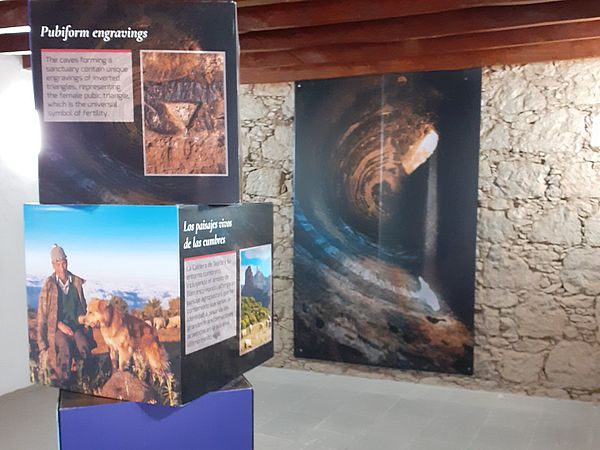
[(103, 330), (61, 339)]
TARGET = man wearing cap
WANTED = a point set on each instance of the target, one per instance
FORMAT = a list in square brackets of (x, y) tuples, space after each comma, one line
[(59, 333)]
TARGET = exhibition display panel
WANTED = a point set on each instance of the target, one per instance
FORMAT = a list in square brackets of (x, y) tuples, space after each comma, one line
[(149, 284), (148, 303), (138, 101)]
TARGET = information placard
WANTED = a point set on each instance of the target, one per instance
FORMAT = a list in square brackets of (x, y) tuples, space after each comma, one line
[(87, 85), (210, 300)]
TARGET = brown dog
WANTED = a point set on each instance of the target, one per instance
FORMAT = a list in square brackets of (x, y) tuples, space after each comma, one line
[(126, 336)]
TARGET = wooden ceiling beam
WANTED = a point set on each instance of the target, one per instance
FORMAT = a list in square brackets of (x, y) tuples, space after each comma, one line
[(370, 53), (17, 42), (13, 14), (328, 12), (452, 61), (250, 3), (425, 26), (26, 61)]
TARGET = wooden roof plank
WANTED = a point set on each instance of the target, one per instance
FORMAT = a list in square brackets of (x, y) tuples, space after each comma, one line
[(26, 61), (13, 14), (250, 3), (16, 42), (360, 54), (425, 26), (328, 12), (520, 55)]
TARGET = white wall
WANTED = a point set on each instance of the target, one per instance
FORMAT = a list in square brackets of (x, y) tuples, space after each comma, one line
[(19, 143)]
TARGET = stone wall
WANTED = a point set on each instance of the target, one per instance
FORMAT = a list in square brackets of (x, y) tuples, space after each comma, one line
[(538, 268)]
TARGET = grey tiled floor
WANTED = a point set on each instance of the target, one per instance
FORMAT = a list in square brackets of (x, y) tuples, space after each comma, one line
[(304, 410)]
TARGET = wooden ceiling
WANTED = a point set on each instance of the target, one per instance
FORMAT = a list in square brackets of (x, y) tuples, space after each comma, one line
[(309, 39)]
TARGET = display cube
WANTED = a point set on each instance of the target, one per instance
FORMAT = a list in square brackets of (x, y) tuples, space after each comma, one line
[(138, 101), (148, 303), (220, 420)]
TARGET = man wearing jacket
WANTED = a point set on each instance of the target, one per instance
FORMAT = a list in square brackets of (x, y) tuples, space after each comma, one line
[(59, 334)]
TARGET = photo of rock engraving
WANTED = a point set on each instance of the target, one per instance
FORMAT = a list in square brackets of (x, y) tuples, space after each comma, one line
[(385, 220), (255, 298), (184, 112)]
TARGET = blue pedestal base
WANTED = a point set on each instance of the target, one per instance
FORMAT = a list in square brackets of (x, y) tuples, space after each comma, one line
[(220, 420)]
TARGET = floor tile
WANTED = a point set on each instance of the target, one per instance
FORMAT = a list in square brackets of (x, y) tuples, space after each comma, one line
[(425, 443), (320, 439), (385, 436), (290, 425), (494, 436), (323, 401), (266, 442), (345, 422), (460, 429), (368, 403)]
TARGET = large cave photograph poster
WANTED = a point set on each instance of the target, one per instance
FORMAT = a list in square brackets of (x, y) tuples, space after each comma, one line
[(385, 219)]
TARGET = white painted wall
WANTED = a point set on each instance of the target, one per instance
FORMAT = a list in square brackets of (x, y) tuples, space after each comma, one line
[(19, 144)]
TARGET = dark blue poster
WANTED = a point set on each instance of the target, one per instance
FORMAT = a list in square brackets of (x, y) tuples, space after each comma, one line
[(385, 219)]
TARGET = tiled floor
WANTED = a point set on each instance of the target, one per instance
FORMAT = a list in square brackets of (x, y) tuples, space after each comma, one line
[(302, 410)]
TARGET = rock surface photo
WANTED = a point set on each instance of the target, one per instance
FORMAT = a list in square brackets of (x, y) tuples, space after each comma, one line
[(184, 113), (385, 219)]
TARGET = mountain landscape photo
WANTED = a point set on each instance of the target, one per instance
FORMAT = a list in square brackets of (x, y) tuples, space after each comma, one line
[(256, 306), (257, 285)]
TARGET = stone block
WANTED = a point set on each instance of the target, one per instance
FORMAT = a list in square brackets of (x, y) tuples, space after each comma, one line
[(508, 327), (272, 89), (595, 137), (516, 95), (598, 318), (539, 317), (592, 230), (577, 302), (520, 367), (287, 108), (495, 227), (503, 269), (574, 364), (498, 204), (559, 226), (497, 298), (556, 130), (509, 98), (581, 272), (484, 365), (279, 147), (489, 322), (531, 345), (518, 179), (264, 181), (581, 179), (496, 138), (251, 108), (583, 78)]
